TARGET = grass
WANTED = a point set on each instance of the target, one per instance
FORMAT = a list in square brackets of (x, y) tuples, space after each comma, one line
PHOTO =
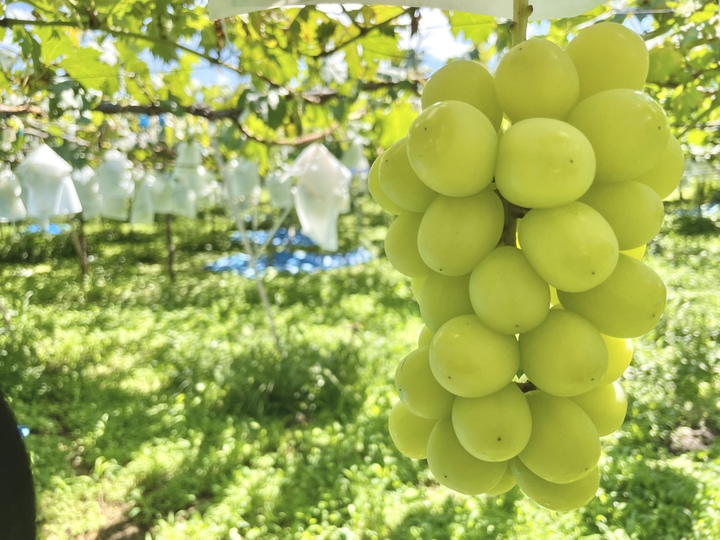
[(163, 410)]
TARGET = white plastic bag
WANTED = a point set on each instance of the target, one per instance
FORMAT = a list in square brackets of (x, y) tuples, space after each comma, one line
[(242, 184), (48, 190), (142, 211), (88, 191), (543, 9), (279, 186), (12, 207), (321, 194), (116, 185), (355, 160)]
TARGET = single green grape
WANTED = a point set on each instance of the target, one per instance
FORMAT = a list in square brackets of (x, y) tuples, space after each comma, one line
[(452, 148), (425, 337), (636, 253), (470, 360), (665, 175), (608, 55), (620, 351), (543, 162), (627, 304), (377, 193), (443, 298), (455, 468), (468, 81), (571, 247), (506, 483), (409, 432), (416, 284), (457, 232), (565, 355), (401, 245), (628, 132), (633, 210), (564, 445), (558, 497), (399, 181), (508, 296), (495, 427), (536, 78), (606, 406), (419, 390)]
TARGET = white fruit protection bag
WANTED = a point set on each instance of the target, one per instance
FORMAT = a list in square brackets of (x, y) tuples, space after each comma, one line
[(242, 185), (48, 189), (12, 207), (321, 194), (114, 177), (142, 211), (279, 185), (88, 191), (503, 9), (355, 160)]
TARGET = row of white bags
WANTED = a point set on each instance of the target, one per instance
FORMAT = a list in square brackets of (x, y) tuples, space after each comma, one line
[(317, 184)]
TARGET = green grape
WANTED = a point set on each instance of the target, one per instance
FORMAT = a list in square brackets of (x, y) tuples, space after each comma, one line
[(633, 210), (565, 355), (401, 245), (507, 294), (453, 467), (377, 193), (606, 406), (608, 55), (543, 162), (416, 284), (571, 247), (470, 360), (620, 351), (536, 78), (452, 147), (457, 232), (558, 497), (628, 132), (636, 253), (506, 483), (665, 175), (564, 445), (409, 432), (425, 337), (627, 304), (419, 390), (495, 427), (443, 298), (400, 183), (468, 81)]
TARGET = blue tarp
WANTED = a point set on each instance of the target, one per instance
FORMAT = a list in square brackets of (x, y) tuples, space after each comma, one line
[(281, 238), (290, 262)]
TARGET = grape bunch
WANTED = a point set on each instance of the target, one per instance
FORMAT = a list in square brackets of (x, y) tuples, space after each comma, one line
[(524, 202)]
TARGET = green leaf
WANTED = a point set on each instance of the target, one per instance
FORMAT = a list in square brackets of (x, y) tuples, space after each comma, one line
[(85, 66), (471, 26)]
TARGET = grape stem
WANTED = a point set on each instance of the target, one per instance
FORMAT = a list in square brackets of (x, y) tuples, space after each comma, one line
[(518, 30), (518, 27)]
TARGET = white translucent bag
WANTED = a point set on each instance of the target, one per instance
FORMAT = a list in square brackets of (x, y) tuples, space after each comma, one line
[(543, 9), (116, 185), (279, 185), (142, 211), (88, 191), (242, 184), (321, 194), (12, 207), (205, 188), (48, 190), (171, 196), (355, 160)]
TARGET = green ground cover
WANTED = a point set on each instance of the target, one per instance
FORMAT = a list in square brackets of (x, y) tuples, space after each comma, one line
[(163, 410)]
